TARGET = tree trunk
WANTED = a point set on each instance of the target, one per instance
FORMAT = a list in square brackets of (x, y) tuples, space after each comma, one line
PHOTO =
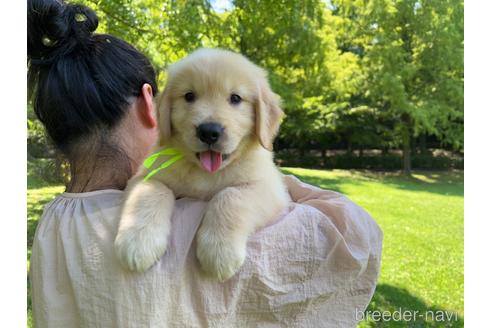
[(323, 157), (302, 152), (423, 143), (349, 147), (407, 161), (361, 152), (413, 145)]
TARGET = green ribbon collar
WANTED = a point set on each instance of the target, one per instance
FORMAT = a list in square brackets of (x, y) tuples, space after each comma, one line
[(174, 154)]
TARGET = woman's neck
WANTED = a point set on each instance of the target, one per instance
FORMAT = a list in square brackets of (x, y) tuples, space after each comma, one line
[(98, 166), (92, 175), (97, 178)]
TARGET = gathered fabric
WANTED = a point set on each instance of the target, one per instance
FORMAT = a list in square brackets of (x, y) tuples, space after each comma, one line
[(314, 266)]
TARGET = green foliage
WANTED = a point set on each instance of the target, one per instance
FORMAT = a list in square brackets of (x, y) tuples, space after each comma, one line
[(352, 74), (412, 52), (37, 142), (43, 172), (380, 162)]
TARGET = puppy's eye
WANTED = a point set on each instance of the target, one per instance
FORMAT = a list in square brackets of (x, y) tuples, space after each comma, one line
[(189, 97), (235, 99)]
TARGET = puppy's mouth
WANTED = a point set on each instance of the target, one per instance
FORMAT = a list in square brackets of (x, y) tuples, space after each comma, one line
[(211, 160)]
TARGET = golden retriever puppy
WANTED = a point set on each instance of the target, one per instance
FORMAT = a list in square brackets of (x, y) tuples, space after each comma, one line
[(218, 110)]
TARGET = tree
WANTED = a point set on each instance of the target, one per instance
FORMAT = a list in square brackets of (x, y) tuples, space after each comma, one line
[(164, 30), (352, 73), (406, 48)]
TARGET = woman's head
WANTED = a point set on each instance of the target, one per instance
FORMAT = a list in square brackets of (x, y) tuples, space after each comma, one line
[(81, 84)]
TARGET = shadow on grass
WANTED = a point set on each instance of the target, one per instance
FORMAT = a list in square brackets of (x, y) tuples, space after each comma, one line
[(444, 183), (449, 183), (395, 301), (332, 182)]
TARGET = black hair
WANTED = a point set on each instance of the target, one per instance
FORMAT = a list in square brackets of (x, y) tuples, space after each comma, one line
[(79, 82)]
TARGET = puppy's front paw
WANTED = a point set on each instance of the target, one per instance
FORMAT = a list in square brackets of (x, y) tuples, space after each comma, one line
[(138, 249), (218, 256)]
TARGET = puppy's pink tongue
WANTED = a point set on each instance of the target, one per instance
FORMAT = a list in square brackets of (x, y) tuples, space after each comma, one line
[(211, 160)]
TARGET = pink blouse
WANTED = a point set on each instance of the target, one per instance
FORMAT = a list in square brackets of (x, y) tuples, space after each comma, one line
[(316, 266)]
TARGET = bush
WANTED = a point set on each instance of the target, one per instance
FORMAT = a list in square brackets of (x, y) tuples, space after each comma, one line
[(387, 162), (44, 172)]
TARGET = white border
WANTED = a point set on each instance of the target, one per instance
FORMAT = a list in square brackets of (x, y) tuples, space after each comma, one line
[(478, 198), (13, 131)]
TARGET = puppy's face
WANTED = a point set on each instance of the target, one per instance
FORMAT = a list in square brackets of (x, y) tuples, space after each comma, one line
[(216, 103)]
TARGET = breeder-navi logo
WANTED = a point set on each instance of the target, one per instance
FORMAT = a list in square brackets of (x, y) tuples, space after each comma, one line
[(406, 315)]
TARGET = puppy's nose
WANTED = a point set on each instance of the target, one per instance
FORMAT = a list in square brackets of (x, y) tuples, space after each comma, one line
[(209, 133)]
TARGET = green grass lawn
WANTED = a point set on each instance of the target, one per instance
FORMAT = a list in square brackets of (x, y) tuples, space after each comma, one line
[(37, 197), (422, 220)]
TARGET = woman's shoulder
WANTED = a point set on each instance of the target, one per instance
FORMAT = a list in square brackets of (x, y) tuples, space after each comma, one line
[(79, 209)]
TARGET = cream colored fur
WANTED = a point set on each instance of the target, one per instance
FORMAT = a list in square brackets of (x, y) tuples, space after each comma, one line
[(244, 195)]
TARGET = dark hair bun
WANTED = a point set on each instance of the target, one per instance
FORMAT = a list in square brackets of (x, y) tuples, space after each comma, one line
[(79, 82), (56, 29)]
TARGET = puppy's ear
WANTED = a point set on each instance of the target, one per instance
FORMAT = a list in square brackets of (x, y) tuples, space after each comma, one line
[(268, 115), (164, 115)]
